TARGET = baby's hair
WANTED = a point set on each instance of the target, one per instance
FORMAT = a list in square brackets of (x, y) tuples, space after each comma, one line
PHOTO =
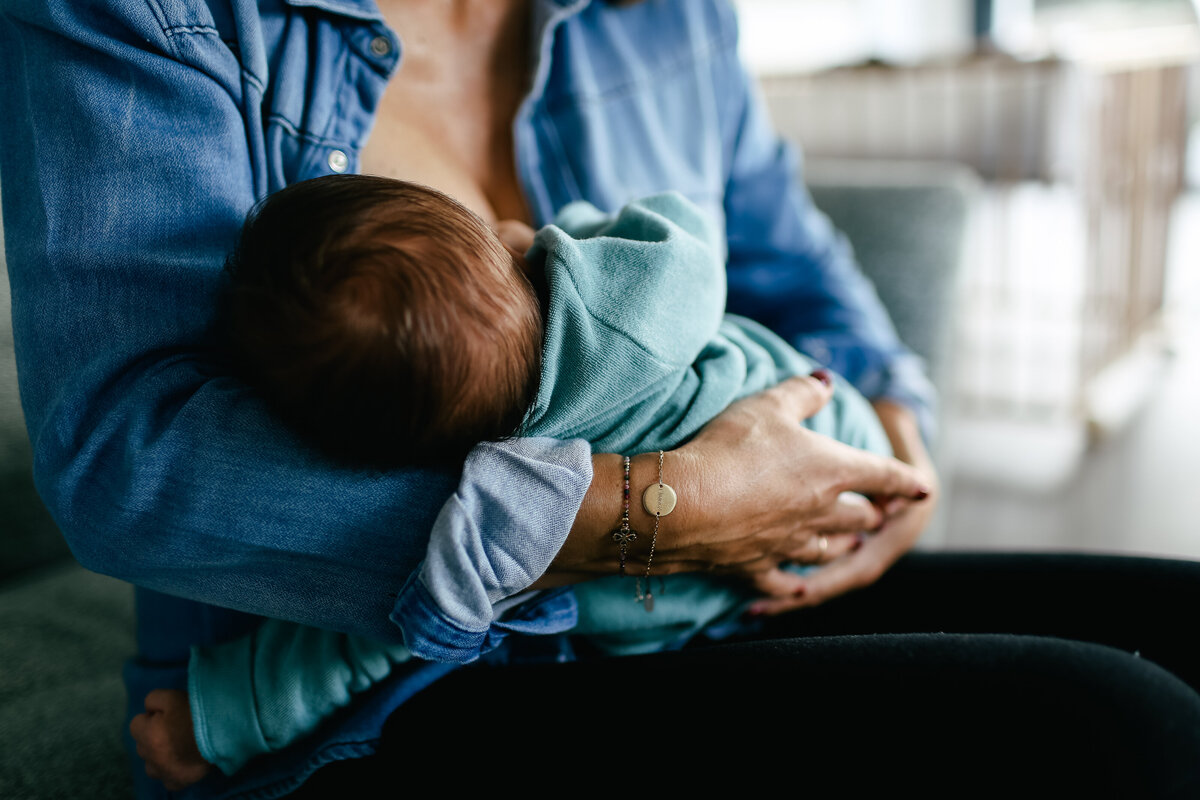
[(384, 320)]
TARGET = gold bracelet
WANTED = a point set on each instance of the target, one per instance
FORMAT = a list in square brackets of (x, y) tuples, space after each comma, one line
[(658, 499)]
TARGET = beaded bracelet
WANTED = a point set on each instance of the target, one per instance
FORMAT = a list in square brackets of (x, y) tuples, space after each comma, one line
[(624, 535)]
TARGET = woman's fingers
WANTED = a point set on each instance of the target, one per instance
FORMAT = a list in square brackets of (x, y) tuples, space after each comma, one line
[(823, 548), (860, 568), (776, 582), (851, 513), (879, 476), (800, 397)]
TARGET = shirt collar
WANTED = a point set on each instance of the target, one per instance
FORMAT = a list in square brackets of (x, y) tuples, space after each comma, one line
[(358, 9)]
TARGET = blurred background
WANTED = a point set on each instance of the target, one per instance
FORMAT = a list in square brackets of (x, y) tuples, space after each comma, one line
[(1066, 134)]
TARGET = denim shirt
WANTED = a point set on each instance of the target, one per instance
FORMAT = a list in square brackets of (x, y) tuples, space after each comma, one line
[(136, 136)]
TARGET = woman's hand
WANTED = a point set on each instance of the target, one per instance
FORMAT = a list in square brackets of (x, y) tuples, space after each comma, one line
[(862, 565), (755, 488)]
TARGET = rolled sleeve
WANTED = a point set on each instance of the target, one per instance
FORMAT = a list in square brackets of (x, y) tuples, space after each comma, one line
[(492, 540)]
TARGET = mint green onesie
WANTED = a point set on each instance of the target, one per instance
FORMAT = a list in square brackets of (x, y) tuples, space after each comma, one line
[(638, 355)]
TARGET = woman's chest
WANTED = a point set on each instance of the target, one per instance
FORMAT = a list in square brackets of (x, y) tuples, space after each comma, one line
[(612, 114), (446, 116), (458, 140)]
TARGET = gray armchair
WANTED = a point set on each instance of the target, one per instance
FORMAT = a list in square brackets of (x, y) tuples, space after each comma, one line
[(907, 222)]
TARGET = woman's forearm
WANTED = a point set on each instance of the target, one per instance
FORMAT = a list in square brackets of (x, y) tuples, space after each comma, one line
[(159, 466), (754, 488), (590, 551), (903, 430)]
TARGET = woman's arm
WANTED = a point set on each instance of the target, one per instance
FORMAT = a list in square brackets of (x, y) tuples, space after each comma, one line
[(755, 488), (128, 165), (132, 139)]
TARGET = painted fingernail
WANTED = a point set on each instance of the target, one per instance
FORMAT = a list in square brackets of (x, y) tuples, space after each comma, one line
[(859, 540), (800, 592), (823, 376), (921, 494)]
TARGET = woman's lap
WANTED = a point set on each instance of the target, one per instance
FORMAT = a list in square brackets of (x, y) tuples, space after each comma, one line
[(990, 667), (1132, 604)]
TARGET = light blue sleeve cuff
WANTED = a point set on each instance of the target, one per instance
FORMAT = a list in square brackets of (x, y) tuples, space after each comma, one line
[(224, 713), (512, 512)]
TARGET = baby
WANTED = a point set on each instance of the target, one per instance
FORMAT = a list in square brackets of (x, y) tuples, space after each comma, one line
[(390, 325), (384, 320)]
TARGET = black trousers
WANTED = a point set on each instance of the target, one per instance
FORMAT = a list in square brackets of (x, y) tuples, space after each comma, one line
[(956, 674)]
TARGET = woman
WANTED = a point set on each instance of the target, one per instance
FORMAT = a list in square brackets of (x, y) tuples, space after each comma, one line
[(163, 470)]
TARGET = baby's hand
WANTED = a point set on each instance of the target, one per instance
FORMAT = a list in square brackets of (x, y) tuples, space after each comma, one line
[(166, 741)]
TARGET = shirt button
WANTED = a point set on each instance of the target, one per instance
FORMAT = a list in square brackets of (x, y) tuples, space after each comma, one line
[(380, 46), (338, 161)]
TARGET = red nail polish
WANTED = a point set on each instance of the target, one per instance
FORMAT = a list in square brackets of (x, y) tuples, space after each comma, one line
[(921, 494), (823, 376), (799, 592)]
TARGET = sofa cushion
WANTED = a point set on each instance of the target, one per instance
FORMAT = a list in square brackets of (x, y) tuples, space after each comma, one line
[(67, 632)]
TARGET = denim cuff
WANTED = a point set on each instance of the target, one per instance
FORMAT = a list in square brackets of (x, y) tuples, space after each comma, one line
[(896, 375), (429, 633), (905, 383), (433, 636)]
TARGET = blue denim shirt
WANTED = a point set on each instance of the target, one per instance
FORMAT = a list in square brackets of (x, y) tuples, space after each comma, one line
[(135, 137)]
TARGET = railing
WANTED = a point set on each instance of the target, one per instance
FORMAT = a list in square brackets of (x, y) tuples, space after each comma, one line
[(1083, 159)]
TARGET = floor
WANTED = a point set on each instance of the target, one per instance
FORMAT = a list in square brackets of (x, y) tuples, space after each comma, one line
[(1138, 489)]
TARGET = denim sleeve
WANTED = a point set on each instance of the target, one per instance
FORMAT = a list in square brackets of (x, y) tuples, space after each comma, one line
[(128, 164), (792, 271)]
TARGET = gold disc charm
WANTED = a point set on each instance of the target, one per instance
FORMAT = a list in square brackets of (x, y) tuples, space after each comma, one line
[(659, 498)]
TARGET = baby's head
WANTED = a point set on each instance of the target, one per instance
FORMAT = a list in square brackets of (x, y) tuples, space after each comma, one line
[(384, 320)]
